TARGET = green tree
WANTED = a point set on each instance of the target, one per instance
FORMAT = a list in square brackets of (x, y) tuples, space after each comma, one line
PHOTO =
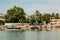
[(46, 17), (38, 17), (15, 14), (32, 20), (2, 22), (57, 16), (53, 15)]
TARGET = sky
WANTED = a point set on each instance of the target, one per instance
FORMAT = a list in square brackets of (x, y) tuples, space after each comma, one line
[(30, 6)]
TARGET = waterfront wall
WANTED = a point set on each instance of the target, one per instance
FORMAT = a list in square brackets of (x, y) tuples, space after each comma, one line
[(6, 24), (26, 26)]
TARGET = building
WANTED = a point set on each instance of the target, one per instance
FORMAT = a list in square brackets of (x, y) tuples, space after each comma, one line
[(54, 22), (1, 16), (28, 17)]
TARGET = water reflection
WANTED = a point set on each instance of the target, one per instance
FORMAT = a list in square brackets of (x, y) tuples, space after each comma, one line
[(15, 35), (30, 35)]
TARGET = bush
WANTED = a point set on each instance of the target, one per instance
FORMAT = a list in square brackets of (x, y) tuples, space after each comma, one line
[(2, 22)]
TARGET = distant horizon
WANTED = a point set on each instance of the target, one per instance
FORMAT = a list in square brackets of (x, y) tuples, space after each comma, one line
[(30, 6)]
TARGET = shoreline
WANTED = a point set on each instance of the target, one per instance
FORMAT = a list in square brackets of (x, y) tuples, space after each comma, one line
[(28, 28)]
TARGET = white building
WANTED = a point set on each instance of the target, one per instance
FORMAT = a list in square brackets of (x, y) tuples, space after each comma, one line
[(1, 16)]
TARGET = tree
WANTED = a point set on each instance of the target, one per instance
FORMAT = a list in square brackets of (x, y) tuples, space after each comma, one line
[(32, 20), (1, 22), (57, 16), (46, 17), (53, 15), (15, 14), (38, 17)]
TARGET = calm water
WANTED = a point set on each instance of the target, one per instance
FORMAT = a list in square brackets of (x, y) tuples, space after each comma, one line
[(30, 35)]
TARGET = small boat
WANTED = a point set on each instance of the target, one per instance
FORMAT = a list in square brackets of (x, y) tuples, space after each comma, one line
[(13, 28)]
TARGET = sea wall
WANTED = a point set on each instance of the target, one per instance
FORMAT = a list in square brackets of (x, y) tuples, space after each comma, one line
[(26, 26)]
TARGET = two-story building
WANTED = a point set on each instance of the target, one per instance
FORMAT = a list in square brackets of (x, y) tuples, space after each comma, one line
[(54, 22)]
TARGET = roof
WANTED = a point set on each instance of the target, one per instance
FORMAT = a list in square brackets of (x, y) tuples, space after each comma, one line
[(1, 14)]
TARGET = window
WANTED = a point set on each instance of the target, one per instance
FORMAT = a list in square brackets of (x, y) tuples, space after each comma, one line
[(52, 23)]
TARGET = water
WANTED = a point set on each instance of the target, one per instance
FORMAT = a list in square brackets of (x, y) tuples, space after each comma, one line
[(30, 35)]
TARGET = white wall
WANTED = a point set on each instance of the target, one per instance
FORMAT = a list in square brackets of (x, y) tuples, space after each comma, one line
[(6, 24)]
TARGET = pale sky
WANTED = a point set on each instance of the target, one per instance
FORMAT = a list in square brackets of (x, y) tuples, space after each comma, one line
[(30, 6)]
